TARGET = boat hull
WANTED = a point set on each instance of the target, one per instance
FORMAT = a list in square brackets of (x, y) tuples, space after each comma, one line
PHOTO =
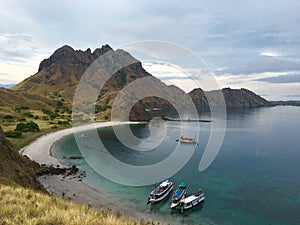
[(152, 199), (187, 140), (192, 204)]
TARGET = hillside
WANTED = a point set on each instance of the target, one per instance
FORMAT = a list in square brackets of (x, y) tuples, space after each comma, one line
[(11, 98), (15, 168), (20, 206)]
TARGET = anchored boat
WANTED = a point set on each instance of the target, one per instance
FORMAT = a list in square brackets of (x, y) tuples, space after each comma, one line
[(192, 200), (188, 140), (160, 192), (178, 195)]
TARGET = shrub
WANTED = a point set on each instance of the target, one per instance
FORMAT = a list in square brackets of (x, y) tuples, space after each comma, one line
[(22, 119), (59, 104), (28, 114), (13, 134), (25, 127), (65, 122), (18, 109), (24, 107), (99, 108), (8, 117), (52, 115)]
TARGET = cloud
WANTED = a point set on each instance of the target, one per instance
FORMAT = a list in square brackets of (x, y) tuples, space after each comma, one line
[(289, 78), (235, 37), (16, 48), (262, 64), (294, 96)]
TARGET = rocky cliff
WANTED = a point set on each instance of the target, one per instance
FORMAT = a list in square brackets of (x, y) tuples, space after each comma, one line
[(234, 98)]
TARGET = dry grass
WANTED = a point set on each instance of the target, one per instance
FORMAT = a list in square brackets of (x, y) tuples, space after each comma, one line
[(27, 207)]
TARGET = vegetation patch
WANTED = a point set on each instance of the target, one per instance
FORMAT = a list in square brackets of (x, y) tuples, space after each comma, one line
[(13, 134), (26, 127), (20, 206)]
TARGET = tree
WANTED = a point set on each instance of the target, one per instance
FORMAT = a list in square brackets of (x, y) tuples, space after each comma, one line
[(25, 127)]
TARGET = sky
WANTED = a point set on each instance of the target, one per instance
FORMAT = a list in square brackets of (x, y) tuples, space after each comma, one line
[(247, 44)]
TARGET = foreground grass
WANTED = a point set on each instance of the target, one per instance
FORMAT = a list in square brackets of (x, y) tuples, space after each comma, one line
[(25, 206)]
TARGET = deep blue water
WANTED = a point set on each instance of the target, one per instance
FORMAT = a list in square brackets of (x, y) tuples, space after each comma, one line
[(255, 178)]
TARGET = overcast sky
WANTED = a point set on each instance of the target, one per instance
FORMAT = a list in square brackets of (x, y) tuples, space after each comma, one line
[(251, 44)]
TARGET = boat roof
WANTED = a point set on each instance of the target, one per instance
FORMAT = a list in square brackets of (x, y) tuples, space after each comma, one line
[(189, 199), (165, 183), (182, 184), (179, 193)]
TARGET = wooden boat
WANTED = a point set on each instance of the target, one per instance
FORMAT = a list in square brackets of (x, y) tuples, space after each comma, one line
[(188, 140), (178, 195), (192, 201), (160, 192)]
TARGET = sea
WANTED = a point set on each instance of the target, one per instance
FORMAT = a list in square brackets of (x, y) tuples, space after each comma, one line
[(254, 179)]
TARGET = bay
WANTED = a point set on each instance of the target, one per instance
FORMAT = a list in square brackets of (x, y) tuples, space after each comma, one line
[(255, 178)]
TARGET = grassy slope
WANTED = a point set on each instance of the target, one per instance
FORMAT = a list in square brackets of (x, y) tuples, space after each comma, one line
[(25, 206)]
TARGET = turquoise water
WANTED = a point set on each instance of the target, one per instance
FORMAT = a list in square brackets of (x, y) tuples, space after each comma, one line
[(255, 179)]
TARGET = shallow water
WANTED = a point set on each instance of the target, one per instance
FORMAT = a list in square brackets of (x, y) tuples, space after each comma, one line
[(253, 180)]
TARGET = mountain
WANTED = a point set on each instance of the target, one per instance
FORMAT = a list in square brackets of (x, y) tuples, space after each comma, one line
[(15, 168), (60, 74), (234, 98), (286, 103)]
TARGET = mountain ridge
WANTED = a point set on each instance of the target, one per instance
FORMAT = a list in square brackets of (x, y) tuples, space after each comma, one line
[(61, 72)]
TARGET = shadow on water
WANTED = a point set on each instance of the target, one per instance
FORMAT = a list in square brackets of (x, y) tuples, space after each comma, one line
[(155, 207), (188, 216)]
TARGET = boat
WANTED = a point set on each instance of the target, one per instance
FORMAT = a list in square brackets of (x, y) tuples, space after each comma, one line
[(160, 192), (188, 140), (178, 195), (192, 201)]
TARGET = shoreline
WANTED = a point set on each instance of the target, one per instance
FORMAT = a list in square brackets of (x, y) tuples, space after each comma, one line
[(40, 149), (73, 189)]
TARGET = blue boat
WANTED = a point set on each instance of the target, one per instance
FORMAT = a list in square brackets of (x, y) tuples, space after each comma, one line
[(179, 194)]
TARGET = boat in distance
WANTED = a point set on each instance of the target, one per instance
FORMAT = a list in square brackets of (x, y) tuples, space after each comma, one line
[(160, 192), (192, 201), (178, 195), (188, 140)]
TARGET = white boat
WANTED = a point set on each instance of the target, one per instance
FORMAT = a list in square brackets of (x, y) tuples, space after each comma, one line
[(160, 192), (192, 201)]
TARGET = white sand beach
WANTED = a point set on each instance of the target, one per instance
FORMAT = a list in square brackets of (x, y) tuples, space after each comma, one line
[(40, 150), (73, 189)]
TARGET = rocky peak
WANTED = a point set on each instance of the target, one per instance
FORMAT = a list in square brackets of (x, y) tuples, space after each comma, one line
[(100, 51), (67, 55)]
